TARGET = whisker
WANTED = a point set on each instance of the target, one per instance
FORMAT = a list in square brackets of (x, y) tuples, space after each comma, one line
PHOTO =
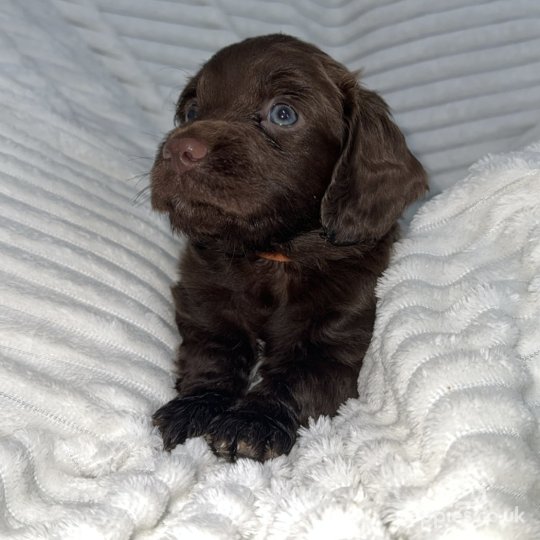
[(138, 177), (142, 197)]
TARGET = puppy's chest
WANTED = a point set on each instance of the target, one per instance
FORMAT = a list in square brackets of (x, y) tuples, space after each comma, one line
[(271, 287), (267, 292)]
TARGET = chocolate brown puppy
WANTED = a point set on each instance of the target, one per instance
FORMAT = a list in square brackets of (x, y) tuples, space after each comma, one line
[(287, 178)]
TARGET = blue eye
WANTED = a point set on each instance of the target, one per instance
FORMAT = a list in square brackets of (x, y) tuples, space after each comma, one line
[(191, 113), (282, 115)]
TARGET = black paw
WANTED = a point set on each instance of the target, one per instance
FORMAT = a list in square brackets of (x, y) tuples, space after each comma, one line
[(253, 430), (189, 416)]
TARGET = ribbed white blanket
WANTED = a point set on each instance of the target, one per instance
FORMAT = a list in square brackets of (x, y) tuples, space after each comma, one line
[(444, 442)]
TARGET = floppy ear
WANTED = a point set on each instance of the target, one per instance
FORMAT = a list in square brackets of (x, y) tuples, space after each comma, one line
[(376, 176)]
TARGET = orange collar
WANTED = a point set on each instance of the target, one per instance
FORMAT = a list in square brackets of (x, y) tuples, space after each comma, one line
[(274, 256)]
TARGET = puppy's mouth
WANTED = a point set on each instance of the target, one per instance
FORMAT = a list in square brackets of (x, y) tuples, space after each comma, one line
[(198, 189), (184, 214), (179, 206)]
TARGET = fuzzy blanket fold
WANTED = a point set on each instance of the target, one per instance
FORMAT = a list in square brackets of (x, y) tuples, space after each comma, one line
[(443, 443)]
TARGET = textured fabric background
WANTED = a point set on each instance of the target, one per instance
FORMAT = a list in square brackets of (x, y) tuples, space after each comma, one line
[(445, 440)]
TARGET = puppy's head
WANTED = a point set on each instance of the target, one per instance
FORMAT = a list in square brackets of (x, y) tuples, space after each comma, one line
[(274, 138)]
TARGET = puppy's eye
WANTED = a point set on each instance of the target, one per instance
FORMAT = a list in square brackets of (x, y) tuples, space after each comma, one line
[(282, 115), (191, 113)]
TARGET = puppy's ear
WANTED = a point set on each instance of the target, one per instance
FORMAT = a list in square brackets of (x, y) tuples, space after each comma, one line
[(376, 176)]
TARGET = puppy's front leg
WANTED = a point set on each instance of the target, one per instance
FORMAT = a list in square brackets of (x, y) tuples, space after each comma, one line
[(213, 372), (264, 423)]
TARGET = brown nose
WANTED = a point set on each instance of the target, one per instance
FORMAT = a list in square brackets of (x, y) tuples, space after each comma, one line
[(184, 153)]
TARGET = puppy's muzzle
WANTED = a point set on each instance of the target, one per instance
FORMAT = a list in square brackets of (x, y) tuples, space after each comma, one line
[(184, 153)]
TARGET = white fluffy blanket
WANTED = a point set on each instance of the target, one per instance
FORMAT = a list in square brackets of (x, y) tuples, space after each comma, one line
[(444, 442)]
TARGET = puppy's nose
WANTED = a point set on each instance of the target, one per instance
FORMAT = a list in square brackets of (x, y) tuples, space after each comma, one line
[(184, 153)]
